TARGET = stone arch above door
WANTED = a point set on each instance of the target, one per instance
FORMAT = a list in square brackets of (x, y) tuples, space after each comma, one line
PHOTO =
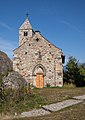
[(39, 68)]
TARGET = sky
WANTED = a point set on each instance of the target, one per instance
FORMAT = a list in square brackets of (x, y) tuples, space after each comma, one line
[(62, 22)]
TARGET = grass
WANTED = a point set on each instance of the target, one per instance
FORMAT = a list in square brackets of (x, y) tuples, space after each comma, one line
[(27, 103), (40, 97), (53, 95), (76, 112)]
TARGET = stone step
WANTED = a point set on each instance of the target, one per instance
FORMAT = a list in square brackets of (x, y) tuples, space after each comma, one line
[(80, 97), (61, 105), (47, 109), (35, 112)]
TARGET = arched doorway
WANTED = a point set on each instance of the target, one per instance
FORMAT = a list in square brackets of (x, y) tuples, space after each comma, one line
[(39, 72), (39, 78)]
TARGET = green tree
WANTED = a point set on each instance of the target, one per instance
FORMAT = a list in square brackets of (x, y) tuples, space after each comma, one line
[(82, 70), (74, 73)]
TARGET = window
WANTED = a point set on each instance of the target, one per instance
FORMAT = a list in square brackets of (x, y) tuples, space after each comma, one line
[(40, 57), (63, 58), (25, 33)]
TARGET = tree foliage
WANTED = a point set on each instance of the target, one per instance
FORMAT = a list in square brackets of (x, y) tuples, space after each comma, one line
[(75, 72)]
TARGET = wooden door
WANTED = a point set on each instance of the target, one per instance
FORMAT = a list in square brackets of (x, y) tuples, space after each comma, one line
[(39, 80)]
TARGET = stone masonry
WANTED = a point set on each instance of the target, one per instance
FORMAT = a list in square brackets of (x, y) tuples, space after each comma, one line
[(37, 60)]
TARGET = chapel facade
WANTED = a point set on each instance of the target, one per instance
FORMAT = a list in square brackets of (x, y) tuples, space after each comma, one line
[(36, 59)]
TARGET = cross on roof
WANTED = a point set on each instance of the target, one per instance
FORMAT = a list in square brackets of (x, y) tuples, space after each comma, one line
[(27, 15)]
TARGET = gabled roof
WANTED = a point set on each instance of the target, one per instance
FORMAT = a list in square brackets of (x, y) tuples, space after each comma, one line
[(45, 39), (26, 25), (51, 43)]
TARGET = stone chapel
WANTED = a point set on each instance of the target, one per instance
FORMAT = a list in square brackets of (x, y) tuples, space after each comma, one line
[(36, 59)]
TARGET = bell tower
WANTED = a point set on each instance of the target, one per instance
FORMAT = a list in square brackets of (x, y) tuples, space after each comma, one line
[(25, 32)]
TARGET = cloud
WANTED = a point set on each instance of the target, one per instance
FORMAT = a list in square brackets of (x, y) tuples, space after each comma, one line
[(5, 25), (7, 47), (74, 27)]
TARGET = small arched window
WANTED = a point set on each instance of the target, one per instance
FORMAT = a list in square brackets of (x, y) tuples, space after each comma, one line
[(25, 33)]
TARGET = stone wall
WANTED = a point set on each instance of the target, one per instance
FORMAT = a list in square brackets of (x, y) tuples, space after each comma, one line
[(38, 51)]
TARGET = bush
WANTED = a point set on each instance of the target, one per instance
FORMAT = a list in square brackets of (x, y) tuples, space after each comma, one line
[(69, 85), (21, 99)]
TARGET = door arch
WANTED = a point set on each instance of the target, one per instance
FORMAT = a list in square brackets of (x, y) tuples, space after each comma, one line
[(39, 78), (39, 66), (39, 72)]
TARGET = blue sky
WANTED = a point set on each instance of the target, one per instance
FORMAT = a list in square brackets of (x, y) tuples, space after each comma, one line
[(62, 22)]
